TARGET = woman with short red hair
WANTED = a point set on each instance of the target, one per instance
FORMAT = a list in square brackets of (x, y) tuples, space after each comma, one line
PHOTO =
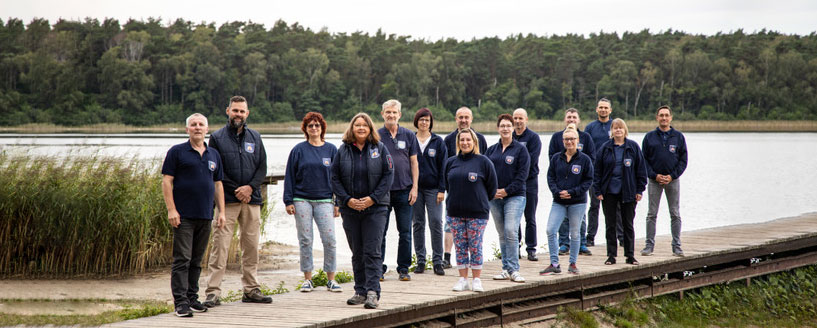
[(308, 195)]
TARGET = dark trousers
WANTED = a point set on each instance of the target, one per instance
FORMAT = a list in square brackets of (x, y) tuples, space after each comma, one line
[(531, 200), (189, 243), (613, 206), (364, 232), (593, 219), (402, 216)]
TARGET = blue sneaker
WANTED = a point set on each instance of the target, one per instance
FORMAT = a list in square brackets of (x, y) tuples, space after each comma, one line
[(333, 286), (584, 251), (564, 250)]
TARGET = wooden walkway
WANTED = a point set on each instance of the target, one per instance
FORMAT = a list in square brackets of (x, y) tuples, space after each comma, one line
[(405, 302)]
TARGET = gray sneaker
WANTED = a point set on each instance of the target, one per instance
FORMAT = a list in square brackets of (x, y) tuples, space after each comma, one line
[(371, 300), (678, 252), (646, 251), (551, 270), (212, 300), (573, 269), (356, 300)]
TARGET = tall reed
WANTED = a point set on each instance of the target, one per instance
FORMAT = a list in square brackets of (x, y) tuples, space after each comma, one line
[(80, 215)]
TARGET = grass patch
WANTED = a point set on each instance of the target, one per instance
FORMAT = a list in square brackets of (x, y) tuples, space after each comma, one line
[(131, 310), (783, 299)]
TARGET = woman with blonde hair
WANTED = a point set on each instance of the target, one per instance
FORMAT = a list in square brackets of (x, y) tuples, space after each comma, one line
[(470, 180), (619, 179)]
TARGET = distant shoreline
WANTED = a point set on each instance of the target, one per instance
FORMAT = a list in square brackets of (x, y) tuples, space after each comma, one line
[(540, 126)]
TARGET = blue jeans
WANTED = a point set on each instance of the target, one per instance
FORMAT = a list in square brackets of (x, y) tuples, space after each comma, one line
[(323, 215), (574, 214), (564, 235), (507, 215), (427, 202), (402, 214)]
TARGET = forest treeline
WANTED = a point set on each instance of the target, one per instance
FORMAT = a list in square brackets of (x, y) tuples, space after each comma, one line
[(146, 72)]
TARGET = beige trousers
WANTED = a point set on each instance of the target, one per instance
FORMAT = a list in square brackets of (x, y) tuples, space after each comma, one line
[(249, 220)]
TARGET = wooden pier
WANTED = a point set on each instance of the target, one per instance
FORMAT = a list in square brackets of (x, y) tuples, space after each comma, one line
[(713, 256)]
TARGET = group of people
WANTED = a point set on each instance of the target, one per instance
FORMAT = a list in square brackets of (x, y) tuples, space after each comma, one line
[(376, 171)]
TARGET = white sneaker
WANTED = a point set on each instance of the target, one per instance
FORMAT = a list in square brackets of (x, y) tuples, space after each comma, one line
[(502, 275), (516, 277), (461, 285), (477, 285)]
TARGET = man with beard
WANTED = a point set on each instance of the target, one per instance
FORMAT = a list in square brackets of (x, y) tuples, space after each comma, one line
[(245, 167)]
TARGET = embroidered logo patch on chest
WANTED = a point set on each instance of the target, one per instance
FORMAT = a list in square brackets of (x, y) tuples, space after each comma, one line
[(401, 144), (326, 161), (628, 162), (576, 169), (672, 148), (472, 176), (212, 165), (432, 152), (509, 159), (249, 147), (374, 153)]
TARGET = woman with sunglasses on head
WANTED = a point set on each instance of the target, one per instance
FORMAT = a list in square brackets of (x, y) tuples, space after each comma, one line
[(308, 195), (619, 179)]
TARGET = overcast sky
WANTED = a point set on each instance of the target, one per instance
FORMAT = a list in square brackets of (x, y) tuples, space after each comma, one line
[(432, 20)]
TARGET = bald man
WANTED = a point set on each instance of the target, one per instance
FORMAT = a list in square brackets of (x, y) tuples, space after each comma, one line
[(531, 141)]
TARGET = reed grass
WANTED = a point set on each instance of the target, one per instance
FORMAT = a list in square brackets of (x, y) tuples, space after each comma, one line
[(81, 215)]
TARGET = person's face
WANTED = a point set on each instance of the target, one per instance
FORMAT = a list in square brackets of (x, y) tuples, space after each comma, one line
[(505, 128), (391, 115), (664, 118), (464, 119), (466, 143), (237, 113), (604, 109), (360, 129), (570, 140), (617, 131), (572, 117), (423, 123), (197, 128), (313, 129), (520, 121)]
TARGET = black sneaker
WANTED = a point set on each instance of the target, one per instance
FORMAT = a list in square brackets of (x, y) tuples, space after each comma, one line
[(197, 307), (371, 300), (184, 311), (404, 276), (438, 270), (590, 242), (446, 264), (420, 268), (212, 300), (532, 257), (255, 296)]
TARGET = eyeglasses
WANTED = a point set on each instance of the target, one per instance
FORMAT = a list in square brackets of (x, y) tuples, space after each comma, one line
[(315, 126), (569, 139)]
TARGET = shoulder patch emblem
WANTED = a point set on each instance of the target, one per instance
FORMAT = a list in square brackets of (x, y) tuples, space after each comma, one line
[(391, 164)]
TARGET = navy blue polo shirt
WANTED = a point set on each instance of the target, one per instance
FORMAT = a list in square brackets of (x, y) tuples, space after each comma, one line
[(600, 132), (401, 147), (531, 141), (193, 179)]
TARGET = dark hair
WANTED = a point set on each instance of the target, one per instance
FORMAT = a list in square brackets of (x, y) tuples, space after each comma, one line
[(421, 113), (505, 116), (236, 99), (349, 135), (605, 100), (571, 110), (313, 116), (662, 107)]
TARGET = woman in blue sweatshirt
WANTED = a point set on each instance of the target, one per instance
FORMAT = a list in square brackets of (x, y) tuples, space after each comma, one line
[(362, 173), (430, 193), (470, 180), (570, 175), (308, 195), (619, 180), (512, 163)]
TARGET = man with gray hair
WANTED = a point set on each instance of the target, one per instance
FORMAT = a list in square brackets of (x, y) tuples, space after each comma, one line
[(191, 184), (531, 141), (403, 147)]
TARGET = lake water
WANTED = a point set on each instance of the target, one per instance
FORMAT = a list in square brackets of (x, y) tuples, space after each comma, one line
[(731, 178)]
